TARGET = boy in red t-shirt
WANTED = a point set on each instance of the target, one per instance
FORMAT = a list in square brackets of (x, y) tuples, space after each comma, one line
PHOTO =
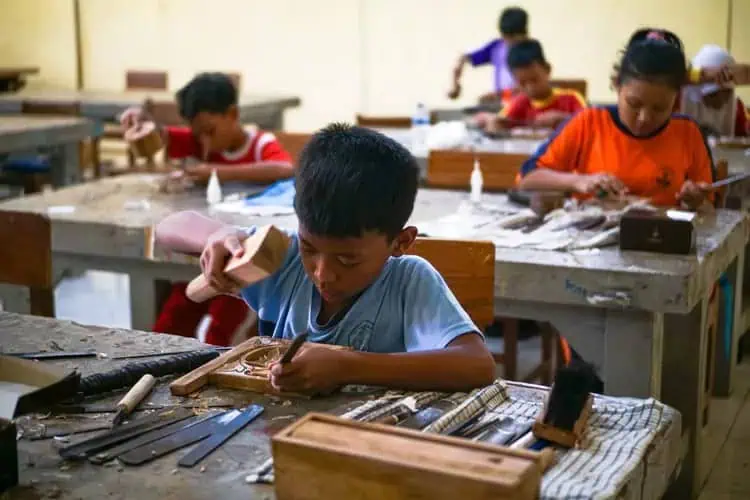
[(538, 104), (217, 140)]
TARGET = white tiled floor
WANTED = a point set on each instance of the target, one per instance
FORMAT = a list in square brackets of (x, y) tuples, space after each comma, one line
[(102, 299)]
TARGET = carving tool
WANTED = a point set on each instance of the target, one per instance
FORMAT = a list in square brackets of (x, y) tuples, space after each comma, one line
[(146, 438), (183, 437), (83, 449), (50, 355), (294, 347), (728, 181), (220, 436), (133, 397), (173, 353)]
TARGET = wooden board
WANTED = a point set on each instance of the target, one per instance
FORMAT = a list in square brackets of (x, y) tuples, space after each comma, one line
[(243, 368), (322, 456)]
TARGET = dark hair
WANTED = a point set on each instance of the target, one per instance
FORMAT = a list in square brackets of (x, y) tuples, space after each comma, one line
[(351, 180), (206, 93), (525, 53), (655, 34), (513, 21), (652, 60)]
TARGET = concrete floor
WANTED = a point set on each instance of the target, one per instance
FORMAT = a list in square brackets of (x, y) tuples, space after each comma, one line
[(102, 299)]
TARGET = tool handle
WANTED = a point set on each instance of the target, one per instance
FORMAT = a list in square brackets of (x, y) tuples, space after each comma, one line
[(546, 458), (292, 350), (524, 441), (198, 290), (139, 391)]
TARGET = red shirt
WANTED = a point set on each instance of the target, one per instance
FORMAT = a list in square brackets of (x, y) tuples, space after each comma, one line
[(655, 167), (259, 146), (524, 109), (742, 120)]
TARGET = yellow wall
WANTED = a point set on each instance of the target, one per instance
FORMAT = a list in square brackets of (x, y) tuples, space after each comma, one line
[(39, 33), (340, 56), (740, 39)]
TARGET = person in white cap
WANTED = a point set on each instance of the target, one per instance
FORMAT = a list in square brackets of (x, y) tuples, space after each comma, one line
[(715, 107)]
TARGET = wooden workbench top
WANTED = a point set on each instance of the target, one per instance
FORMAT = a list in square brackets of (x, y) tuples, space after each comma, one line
[(113, 218), (44, 474)]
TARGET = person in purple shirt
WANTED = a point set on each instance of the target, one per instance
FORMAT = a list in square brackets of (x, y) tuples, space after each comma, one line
[(513, 24)]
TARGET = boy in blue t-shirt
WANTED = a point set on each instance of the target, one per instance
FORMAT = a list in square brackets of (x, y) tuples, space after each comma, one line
[(346, 279)]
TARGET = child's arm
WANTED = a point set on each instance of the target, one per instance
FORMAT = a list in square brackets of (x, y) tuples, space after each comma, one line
[(462, 365), (263, 172), (479, 57), (189, 232), (273, 163), (444, 350), (741, 127), (553, 166)]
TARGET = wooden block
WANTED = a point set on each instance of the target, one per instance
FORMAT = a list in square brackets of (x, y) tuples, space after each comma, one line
[(563, 437), (660, 231), (244, 367), (265, 251), (322, 457), (144, 139)]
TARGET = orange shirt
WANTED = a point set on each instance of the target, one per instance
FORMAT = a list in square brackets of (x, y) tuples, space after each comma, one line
[(655, 167), (524, 110)]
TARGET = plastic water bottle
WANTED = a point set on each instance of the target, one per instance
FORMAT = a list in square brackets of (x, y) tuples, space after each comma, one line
[(476, 183), (213, 191), (420, 124)]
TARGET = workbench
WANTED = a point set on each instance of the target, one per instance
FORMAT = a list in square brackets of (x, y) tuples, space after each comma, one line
[(59, 137), (43, 474), (639, 317), (103, 106)]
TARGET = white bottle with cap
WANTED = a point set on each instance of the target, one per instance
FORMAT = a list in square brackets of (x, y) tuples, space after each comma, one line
[(476, 183), (213, 191)]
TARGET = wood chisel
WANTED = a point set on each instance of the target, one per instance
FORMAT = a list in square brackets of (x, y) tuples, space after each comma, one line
[(134, 396), (180, 439), (294, 347), (129, 430), (222, 434)]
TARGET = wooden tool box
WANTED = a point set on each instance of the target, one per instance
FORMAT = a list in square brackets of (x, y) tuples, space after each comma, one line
[(326, 457)]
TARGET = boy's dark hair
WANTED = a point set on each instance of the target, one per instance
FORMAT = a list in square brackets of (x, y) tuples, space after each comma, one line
[(513, 21), (655, 34), (525, 53), (653, 60), (206, 93), (351, 180)]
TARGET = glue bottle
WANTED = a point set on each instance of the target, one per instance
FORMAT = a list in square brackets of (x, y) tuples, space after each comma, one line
[(476, 182), (213, 191)]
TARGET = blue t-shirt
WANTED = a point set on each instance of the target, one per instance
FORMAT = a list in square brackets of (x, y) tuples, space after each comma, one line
[(407, 308)]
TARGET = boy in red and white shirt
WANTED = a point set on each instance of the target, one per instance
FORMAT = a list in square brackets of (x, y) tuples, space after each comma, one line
[(218, 141)]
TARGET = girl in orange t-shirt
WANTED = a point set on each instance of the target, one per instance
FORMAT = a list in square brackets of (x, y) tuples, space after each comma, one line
[(637, 146)]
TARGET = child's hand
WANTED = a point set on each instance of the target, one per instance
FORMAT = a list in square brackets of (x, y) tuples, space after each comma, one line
[(132, 116), (221, 246), (315, 369), (599, 183), (693, 194), (200, 172), (550, 119)]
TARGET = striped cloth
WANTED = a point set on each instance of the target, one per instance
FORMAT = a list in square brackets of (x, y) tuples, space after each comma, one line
[(629, 450)]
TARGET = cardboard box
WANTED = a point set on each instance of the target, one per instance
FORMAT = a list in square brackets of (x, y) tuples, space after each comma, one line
[(25, 387)]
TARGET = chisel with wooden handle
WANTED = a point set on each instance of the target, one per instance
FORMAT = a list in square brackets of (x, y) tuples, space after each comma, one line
[(134, 396)]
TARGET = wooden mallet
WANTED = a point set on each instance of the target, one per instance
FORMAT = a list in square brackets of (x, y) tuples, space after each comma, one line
[(264, 254)]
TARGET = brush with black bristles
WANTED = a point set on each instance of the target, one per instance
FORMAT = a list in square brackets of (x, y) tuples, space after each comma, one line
[(567, 409)]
